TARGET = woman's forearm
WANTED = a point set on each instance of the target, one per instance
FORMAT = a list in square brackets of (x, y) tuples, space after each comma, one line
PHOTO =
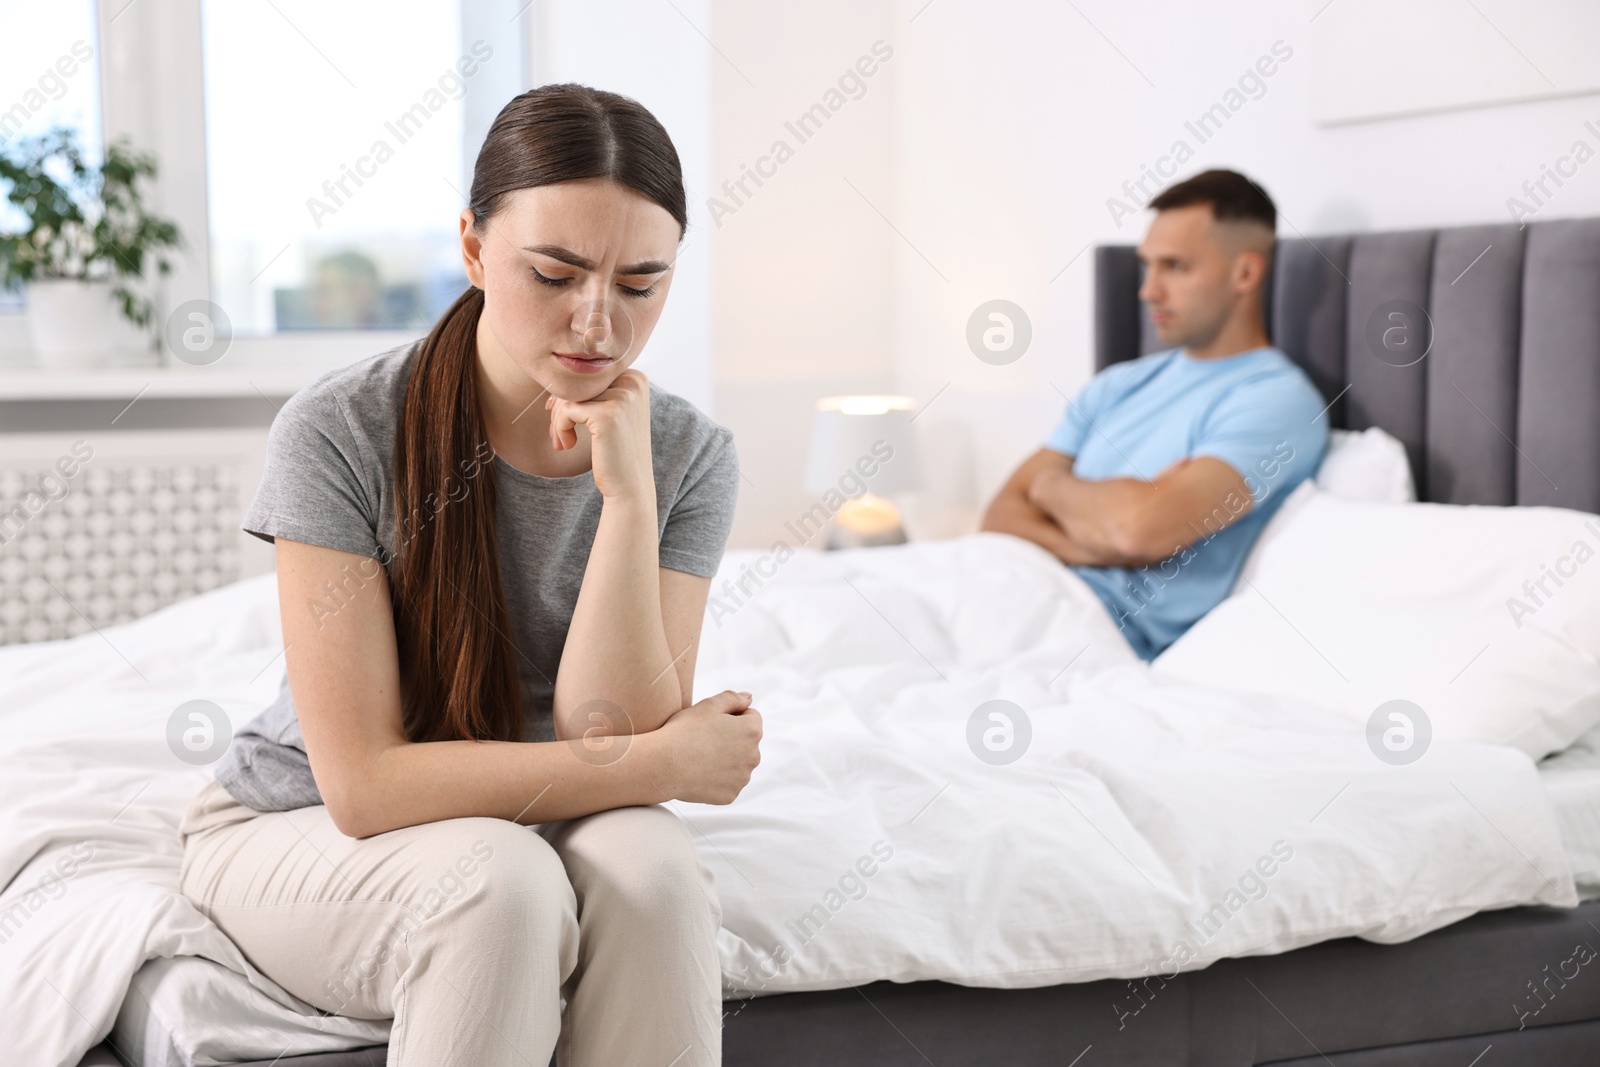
[(616, 648), (526, 782)]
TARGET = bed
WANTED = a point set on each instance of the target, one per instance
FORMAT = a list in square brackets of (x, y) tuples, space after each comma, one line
[(1047, 964)]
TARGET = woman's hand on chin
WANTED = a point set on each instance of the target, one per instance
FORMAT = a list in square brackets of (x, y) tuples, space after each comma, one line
[(618, 421)]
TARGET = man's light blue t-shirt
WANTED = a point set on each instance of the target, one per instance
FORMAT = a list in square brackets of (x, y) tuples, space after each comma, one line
[(1254, 410)]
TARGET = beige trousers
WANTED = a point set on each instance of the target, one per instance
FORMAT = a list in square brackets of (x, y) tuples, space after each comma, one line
[(470, 933)]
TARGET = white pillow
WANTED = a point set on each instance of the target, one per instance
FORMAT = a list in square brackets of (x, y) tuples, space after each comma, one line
[(1349, 604), (1283, 519), (1366, 464)]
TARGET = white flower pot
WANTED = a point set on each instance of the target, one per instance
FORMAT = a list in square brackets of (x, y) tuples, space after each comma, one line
[(71, 322)]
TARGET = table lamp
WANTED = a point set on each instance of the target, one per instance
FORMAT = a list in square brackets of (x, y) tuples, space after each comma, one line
[(863, 448)]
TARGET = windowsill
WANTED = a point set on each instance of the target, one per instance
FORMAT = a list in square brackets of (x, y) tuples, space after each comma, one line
[(269, 367), (100, 383)]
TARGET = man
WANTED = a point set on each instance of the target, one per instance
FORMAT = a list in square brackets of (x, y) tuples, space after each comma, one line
[(1165, 468)]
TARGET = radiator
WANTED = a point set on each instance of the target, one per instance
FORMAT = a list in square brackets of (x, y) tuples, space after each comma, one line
[(99, 528)]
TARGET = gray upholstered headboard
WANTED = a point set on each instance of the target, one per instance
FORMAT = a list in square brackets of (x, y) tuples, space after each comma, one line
[(1502, 408)]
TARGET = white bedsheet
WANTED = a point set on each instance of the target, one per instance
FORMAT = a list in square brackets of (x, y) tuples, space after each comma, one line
[(1572, 780), (1122, 842)]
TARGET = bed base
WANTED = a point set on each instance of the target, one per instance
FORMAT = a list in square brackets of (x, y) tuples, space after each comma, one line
[(1423, 1001), (1443, 998)]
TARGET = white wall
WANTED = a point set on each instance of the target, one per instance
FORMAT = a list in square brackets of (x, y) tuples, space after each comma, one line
[(655, 53), (803, 268), (1015, 120)]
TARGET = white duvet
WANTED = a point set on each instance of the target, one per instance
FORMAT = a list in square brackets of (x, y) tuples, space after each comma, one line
[(1110, 822), (90, 800)]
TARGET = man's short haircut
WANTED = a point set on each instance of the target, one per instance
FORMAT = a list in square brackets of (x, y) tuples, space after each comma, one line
[(1231, 195)]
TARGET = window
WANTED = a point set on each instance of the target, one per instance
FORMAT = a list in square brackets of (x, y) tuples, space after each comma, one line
[(335, 160), (316, 156), (49, 75)]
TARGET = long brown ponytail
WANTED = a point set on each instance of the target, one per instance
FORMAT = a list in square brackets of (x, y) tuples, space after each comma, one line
[(458, 664)]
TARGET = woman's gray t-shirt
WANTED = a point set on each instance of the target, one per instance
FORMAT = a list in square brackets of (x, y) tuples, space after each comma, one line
[(327, 481)]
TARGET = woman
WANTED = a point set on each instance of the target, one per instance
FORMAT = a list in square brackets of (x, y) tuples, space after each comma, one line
[(494, 547)]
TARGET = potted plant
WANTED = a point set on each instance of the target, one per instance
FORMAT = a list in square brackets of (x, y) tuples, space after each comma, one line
[(86, 238)]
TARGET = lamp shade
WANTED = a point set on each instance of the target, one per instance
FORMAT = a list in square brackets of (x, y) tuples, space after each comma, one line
[(868, 440)]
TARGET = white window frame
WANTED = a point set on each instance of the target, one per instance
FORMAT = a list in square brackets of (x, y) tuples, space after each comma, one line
[(153, 92)]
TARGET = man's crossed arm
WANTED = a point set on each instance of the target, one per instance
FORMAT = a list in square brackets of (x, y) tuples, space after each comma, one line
[(1117, 522)]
